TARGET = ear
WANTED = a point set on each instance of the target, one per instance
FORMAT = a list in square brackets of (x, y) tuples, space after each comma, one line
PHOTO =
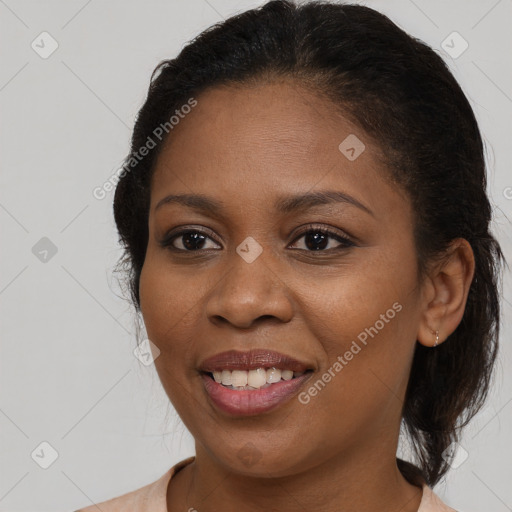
[(445, 292)]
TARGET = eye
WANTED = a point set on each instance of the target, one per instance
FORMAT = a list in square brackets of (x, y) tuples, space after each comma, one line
[(191, 240), (316, 238)]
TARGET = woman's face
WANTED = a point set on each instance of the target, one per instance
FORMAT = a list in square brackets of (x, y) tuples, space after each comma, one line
[(254, 276)]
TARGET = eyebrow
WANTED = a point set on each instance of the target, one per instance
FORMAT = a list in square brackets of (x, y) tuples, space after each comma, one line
[(284, 204)]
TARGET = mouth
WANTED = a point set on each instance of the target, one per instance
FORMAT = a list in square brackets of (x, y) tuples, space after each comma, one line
[(254, 382)]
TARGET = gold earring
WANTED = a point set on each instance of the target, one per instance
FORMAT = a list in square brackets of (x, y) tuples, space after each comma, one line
[(437, 338)]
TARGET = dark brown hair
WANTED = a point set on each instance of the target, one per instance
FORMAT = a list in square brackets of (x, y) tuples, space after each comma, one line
[(402, 94)]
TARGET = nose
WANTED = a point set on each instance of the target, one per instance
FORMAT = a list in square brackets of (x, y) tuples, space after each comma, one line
[(248, 294)]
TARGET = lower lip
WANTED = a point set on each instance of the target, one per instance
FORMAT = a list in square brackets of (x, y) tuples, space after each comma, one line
[(247, 402)]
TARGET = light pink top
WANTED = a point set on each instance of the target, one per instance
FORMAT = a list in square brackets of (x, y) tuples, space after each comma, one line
[(153, 497)]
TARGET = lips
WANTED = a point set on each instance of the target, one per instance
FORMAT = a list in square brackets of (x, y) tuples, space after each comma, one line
[(247, 401), (251, 403), (251, 360)]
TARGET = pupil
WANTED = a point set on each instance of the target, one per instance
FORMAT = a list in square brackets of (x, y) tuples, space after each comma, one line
[(317, 238), (196, 240)]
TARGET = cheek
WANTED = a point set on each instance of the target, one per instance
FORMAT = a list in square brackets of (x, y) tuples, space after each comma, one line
[(365, 322), (164, 300), (164, 307), (342, 307), (154, 298)]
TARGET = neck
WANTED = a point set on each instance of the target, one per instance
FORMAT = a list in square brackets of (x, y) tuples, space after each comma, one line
[(362, 481)]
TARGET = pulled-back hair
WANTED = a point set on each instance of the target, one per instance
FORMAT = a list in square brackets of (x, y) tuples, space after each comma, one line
[(402, 94)]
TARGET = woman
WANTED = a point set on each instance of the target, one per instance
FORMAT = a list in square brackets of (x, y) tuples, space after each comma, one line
[(306, 228)]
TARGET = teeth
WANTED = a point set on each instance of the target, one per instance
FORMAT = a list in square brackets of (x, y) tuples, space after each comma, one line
[(253, 379), (273, 375), (226, 377), (256, 378), (239, 378), (287, 374)]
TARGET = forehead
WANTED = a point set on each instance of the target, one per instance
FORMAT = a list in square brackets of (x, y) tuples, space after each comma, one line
[(252, 142), (283, 117)]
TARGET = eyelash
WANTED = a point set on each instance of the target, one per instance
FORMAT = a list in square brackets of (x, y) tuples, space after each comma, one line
[(311, 228)]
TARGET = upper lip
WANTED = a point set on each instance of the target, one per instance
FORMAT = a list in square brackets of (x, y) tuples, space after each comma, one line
[(251, 360)]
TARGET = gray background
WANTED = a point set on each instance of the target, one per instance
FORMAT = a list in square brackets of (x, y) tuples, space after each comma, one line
[(67, 372)]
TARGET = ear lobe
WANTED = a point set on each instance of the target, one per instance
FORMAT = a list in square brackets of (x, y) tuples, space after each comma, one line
[(448, 288)]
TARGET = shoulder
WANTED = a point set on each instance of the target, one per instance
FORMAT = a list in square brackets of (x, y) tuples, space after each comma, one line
[(431, 502), (151, 497), (134, 501)]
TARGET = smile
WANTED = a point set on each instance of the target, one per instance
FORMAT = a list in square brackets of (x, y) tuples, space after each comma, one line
[(249, 383)]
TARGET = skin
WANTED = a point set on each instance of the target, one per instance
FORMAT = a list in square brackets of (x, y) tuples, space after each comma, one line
[(246, 147)]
